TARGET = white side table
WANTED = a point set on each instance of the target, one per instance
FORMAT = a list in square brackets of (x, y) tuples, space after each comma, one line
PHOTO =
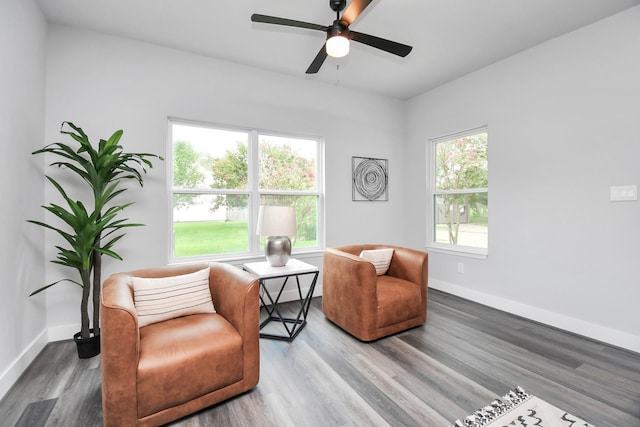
[(294, 268)]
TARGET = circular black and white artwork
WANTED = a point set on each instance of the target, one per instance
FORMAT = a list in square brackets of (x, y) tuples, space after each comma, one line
[(370, 179)]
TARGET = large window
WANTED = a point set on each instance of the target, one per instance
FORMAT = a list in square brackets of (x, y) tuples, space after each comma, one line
[(460, 192), (219, 178)]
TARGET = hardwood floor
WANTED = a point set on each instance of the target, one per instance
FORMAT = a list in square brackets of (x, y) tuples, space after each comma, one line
[(464, 357)]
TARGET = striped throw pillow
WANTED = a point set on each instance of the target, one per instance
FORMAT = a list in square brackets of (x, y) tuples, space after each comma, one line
[(380, 258), (164, 298)]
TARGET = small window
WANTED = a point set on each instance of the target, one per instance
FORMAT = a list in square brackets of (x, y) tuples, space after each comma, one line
[(220, 177), (460, 192)]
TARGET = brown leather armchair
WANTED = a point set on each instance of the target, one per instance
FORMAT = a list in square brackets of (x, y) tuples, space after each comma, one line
[(369, 306), (166, 370)]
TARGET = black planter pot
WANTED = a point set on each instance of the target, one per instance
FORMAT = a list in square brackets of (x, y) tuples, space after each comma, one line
[(87, 347)]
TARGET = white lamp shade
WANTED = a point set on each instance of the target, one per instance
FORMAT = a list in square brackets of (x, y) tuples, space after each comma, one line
[(337, 46), (277, 221)]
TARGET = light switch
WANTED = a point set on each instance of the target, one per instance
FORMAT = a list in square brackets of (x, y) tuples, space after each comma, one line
[(624, 193)]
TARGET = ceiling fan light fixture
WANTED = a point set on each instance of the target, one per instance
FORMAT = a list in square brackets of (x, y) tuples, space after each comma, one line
[(337, 46)]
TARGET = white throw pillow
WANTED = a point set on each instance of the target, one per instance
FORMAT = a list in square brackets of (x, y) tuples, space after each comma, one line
[(380, 258), (164, 298)]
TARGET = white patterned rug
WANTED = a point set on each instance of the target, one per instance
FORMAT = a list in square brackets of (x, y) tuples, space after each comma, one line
[(519, 408)]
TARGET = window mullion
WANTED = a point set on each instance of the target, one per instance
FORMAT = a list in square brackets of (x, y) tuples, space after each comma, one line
[(254, 197), (214, 191), (289, 192)]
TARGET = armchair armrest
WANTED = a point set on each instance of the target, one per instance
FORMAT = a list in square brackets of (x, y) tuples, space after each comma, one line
[(120, 348), (411, 265), (349, 289), (355, 276), (235, 297)]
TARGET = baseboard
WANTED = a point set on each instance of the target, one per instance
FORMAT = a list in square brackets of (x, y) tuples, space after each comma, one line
[(13, 372), (587, 329)]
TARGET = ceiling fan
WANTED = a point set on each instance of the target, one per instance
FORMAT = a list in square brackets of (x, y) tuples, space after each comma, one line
[(338, 34)]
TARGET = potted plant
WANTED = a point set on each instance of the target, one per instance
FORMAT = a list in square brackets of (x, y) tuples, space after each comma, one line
[(89, 234)]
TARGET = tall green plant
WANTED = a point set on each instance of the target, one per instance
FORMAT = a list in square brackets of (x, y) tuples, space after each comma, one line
[(90, 235)]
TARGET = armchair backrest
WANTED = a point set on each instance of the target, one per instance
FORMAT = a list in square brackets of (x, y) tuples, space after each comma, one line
[(403, 261)]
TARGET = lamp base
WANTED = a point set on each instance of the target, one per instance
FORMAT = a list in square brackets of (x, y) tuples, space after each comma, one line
[(277, 250)]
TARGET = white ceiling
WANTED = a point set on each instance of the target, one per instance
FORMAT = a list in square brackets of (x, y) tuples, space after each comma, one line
[(450, 38)]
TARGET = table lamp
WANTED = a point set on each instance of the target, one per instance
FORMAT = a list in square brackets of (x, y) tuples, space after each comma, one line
[(278, 223)]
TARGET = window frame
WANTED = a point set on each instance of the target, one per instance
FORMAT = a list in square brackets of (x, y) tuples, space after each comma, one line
[(433, 192), (253, 192)]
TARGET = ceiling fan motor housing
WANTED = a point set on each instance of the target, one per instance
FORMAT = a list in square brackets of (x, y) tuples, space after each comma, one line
[(337, 29)]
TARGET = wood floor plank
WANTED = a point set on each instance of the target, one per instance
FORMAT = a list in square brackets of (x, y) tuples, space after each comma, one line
[(541, 363), (538, 364), (550, 380), (464, 357), (36, 413)]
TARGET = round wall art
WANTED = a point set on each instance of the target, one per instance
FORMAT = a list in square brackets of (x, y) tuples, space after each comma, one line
[(370, 179)]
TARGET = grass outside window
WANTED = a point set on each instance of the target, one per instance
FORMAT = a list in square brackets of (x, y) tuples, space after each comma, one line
[(195, 238)]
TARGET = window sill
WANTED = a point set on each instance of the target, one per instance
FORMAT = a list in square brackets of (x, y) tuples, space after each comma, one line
[(462, 251), (239, 260)]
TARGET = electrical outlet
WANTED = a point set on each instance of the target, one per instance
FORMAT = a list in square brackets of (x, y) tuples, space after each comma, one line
[(623, 193), (460, 267)]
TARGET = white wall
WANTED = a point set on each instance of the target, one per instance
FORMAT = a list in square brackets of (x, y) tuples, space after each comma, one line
[(564, 126), (22, 76), (102, 83)]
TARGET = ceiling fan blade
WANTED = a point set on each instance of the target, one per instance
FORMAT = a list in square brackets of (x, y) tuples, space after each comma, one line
[(380, 43), (256, 17), (317, 61), (354, 9)]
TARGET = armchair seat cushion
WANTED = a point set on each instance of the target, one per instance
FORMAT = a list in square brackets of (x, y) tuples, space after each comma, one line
[(398, 300), (186, 357)]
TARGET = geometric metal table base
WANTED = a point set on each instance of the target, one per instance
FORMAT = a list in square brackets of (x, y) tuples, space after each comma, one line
[(291, 325)]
